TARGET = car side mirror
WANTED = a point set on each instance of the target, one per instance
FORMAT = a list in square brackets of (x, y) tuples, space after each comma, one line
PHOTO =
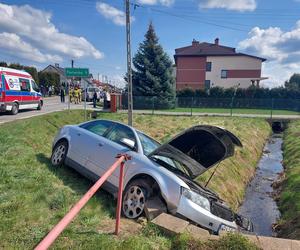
[(127, 142)]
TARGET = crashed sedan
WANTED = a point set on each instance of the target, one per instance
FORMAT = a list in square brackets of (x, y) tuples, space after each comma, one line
[(165, 171)]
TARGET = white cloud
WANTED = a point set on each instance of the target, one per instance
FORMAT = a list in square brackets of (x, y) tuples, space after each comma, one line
[(281, 48), (35, 28), (12, 44), (154, 2), (117, 16), (238, 5)]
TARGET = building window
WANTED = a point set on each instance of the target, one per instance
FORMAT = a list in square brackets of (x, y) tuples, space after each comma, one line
[(224, 73), (208, 66), (207, 84)]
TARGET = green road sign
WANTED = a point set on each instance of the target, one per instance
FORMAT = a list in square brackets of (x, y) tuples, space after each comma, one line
[(77, 72)]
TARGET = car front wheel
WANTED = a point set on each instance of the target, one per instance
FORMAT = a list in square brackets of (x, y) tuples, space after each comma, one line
[(59, 153), (134, 199)]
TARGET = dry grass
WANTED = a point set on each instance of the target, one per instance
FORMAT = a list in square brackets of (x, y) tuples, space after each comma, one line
[(232, 174), (34, 196)]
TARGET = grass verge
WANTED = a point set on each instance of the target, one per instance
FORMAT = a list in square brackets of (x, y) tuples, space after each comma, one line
[(289, 202), (34, 195)]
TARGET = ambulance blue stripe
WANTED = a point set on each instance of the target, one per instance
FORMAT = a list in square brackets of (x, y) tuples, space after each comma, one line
[(20, 93)]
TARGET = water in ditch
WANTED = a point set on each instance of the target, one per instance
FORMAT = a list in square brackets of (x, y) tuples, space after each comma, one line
[(258, 205)]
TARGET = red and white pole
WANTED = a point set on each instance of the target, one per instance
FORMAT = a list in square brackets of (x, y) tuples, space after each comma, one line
[(120, 194), (56, 231)]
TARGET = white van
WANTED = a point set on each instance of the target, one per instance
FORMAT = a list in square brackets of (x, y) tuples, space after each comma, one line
[(18, 91)]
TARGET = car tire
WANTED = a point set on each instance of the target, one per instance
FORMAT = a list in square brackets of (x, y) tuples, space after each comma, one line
[(14, 109), (135, 195), (59, 153), (39, 107)]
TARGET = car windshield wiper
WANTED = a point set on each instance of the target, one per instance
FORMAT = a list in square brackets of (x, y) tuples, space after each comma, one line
[(171, 168)]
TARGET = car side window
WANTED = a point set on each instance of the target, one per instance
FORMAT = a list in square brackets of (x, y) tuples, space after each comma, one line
[(97, 127), (120, 132), (24, 84)]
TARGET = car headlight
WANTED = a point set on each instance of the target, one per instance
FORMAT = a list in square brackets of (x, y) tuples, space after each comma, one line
[(196, 198)]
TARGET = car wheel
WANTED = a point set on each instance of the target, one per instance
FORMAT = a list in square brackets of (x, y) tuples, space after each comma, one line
[(14, 109), (134, 199), (39, 107), (59, 153)]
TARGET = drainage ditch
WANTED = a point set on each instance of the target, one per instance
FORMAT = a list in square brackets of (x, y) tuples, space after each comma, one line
[(259, 204)]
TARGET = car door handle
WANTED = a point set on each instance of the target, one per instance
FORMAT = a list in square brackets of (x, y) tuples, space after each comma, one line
[(100, 144)]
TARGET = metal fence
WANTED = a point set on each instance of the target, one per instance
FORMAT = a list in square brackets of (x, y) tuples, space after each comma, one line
[(216, 105)]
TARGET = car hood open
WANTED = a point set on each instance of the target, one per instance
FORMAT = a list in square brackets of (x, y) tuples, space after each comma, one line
[(199, 148)]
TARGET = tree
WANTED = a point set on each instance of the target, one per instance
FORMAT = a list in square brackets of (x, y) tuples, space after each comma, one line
[(293, 83), (49, 78), (3, 64), (152, 75)]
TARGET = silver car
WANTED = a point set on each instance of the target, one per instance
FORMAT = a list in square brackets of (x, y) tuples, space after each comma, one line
[(165, 171)]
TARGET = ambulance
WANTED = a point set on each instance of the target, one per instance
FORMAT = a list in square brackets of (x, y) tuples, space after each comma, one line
[(18, 91)]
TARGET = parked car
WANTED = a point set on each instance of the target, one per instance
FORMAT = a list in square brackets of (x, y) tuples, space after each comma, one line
[(90, 93), (166, 171), (18, 91)]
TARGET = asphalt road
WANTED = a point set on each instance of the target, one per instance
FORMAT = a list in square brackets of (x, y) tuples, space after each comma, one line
[(51, 104)]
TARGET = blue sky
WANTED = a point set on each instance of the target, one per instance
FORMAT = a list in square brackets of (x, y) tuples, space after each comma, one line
[(42, 32)]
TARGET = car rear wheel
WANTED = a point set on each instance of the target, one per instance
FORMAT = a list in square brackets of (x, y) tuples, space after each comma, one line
[(14, 109), (134, 199), (59, 153)]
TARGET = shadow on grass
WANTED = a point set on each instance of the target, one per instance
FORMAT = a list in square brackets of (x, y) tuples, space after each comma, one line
[(79, 184)]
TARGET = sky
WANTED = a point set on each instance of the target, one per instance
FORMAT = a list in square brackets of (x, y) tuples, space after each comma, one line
[(92, 33)]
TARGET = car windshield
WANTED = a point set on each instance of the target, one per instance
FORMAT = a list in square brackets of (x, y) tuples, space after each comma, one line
[(148, 144), (93, 89)]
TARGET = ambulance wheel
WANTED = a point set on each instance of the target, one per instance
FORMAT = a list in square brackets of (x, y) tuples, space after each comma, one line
[(14, 109), (39, 107)]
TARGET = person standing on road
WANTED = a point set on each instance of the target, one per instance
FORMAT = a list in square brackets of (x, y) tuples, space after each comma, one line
[(62, 94), (94, 98)]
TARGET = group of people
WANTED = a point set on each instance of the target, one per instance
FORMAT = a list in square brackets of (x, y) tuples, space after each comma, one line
[(47, 90), (75, 95)]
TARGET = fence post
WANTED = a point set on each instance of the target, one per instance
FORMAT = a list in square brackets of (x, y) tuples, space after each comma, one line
[(153, 105), (120, 192), (231, 105), (192, 106), (272, 105)]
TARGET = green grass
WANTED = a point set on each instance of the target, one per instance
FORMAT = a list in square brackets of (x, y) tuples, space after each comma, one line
[(289, 202), (34, 196), (234, 111)]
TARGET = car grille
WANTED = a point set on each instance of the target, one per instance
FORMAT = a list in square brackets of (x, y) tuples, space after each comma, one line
[(222, 211)]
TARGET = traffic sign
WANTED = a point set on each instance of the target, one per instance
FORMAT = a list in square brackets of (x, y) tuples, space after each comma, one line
[(77, 72)]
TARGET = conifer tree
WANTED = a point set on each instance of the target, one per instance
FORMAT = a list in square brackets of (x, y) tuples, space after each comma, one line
[(152, 75)]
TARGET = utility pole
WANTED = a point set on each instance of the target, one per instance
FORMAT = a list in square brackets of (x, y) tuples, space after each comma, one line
[(72, 65), (129, 72)]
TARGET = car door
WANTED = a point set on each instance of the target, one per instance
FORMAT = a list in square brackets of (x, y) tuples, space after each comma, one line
[(85, 139), (104, 155), (26, 98), (34, 94)]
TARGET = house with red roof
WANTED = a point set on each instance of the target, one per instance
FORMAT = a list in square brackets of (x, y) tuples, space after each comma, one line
[(205, 65)]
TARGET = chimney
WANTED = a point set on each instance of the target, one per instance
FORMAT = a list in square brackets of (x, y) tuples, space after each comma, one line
[(56, 65), (195, 42), (217, 41)]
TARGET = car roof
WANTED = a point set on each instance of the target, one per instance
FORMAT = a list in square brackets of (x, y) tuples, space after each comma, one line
[(116, 122)]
